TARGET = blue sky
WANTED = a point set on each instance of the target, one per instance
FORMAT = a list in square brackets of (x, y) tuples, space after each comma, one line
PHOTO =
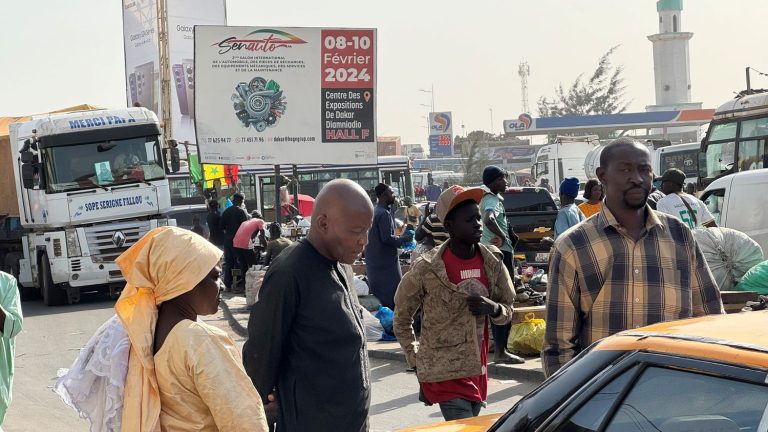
[(56, 53)]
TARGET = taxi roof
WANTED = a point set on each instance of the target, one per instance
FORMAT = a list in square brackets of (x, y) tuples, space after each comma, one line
[(734, 338)]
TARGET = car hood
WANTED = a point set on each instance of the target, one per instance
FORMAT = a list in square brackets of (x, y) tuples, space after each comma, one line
[(473, 424)]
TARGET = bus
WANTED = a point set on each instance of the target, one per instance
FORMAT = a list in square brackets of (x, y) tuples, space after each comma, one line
[(737, 137), (440, 164), (257, 182)]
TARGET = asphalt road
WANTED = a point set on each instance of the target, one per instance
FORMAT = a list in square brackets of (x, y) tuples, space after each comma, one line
[(50, 340), (52, 337)]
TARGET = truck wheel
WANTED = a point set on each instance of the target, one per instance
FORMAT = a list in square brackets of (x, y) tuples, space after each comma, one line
[(52, 295), (12, 268)]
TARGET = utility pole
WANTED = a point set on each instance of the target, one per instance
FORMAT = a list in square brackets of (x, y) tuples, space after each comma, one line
[(165, 68)]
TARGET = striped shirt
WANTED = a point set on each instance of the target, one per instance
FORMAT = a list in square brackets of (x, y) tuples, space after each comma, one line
[(602, 282), (435, 228)]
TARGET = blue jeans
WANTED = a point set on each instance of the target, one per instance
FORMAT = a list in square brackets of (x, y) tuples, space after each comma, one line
[(456, 409)]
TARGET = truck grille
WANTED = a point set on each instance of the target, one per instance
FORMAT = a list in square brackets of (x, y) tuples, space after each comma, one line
[(106, 243)]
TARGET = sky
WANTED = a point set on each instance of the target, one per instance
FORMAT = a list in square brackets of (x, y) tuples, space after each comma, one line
[(62, 53)]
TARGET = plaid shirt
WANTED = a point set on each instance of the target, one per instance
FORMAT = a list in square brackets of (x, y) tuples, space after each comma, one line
[(602, 282)]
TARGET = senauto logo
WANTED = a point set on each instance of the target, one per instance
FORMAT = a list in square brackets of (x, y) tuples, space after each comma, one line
[(441, 122), (262, 40)]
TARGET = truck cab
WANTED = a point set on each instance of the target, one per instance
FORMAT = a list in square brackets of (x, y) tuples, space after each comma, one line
[(563, 158), (88, 185)]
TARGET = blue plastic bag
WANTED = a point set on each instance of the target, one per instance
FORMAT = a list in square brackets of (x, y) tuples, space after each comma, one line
[(412, 244), (385, 317)]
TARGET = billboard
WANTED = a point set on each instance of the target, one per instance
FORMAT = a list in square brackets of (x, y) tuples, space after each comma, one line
[(266, 95), (142, 53), (440, 134), (523, 123)]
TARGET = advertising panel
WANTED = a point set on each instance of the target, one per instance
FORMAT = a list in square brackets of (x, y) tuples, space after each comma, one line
[(524, 122), (183, 15), (142, 56), (285, 95), (440, 134)]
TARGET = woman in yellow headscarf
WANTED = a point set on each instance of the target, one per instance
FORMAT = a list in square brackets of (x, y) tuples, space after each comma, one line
[(183, 375)]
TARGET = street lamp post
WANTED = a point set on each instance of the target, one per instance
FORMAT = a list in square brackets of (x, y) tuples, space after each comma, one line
[(491, 110), (432, 93)]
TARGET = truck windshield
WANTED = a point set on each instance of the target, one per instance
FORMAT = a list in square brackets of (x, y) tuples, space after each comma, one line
[(103, 164)]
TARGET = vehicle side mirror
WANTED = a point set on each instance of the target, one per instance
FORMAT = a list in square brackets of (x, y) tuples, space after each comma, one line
[(173, 156), (175, 160), (28, 175), (27, 156)]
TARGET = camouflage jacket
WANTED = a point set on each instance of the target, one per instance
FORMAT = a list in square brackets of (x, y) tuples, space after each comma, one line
[(448, 346)]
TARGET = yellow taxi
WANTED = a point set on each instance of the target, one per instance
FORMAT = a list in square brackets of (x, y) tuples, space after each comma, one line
[(700, 374)]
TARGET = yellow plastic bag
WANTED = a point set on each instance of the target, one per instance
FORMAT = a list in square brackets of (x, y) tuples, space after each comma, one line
[(527, 337)]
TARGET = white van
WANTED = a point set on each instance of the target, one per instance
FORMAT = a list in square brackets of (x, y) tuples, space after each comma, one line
[(740, 201)]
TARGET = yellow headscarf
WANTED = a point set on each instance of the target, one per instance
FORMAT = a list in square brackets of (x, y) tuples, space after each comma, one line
[(165, 263)]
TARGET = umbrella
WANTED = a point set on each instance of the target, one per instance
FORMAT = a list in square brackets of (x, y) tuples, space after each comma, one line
[(306, 204)]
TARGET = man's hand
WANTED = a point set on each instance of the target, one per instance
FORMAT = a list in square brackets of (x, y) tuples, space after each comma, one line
[(498, 241), (428, 210), (270, 409), (480, 305)]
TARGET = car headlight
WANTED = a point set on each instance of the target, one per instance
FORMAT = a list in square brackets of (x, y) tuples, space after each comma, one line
[(73, 243), (162, 222)]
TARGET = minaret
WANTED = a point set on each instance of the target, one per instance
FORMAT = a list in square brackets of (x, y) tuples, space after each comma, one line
[(671, 63)]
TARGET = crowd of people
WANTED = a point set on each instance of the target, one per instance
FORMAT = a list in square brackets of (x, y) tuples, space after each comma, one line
[(615, 264)]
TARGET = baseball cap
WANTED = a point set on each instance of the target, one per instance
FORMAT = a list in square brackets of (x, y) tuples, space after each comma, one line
[(674, 175), (454, 195)]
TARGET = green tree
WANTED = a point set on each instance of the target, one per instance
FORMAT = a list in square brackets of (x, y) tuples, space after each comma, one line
[(475, 154), (602, 93)]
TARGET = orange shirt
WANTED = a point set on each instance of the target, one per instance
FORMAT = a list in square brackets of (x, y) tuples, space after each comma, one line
[(590, 209)]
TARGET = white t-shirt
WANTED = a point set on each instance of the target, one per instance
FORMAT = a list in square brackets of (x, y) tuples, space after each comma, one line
[(672, 204)]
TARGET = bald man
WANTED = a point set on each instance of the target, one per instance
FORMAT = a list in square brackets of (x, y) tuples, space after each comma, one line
[(306, 353)]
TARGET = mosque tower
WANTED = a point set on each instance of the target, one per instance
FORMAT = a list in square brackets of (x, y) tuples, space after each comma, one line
[(671, 61)]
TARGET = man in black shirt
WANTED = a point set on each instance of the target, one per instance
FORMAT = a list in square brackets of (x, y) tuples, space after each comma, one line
[(306, 352), (213, 220), (230, 223)]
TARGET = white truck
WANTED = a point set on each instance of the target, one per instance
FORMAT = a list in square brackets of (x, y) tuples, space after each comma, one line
[(88, 185), (563, 158), (663, 156)]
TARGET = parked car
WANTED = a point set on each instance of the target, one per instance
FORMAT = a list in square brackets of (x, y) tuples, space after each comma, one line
[(531, 212), (184, 214), (701, 374)]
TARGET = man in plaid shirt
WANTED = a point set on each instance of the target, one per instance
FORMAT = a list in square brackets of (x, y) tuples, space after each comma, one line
[(626, 268)]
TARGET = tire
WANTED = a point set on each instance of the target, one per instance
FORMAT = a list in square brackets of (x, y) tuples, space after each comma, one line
[(12, 268), (52, 294)]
